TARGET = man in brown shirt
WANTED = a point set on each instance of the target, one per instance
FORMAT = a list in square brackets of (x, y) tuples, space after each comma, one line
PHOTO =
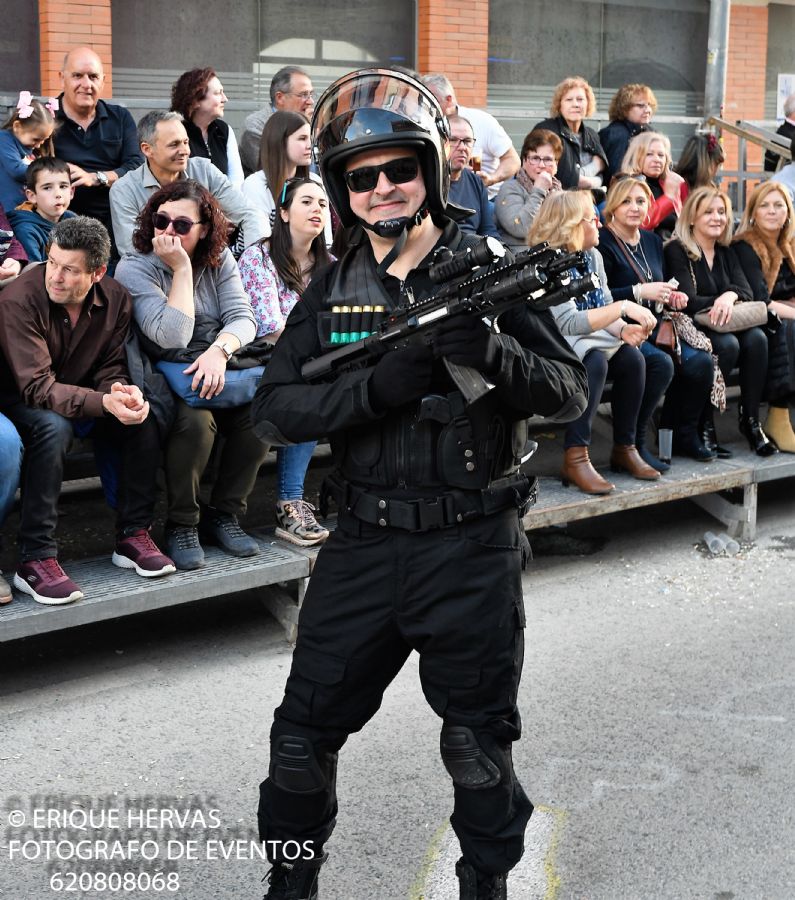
[(63, 370)]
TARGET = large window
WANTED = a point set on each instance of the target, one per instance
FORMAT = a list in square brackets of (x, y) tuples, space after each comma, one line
[(780, 56), (19, 47), (535, 44), (249, 41)]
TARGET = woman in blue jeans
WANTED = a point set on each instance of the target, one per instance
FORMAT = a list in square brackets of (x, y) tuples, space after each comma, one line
[(274, 277), (608, 345), (10, 466)]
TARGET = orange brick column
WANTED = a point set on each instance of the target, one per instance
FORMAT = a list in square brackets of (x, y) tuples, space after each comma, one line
[(65, 24), (745, 76), (454, 39)]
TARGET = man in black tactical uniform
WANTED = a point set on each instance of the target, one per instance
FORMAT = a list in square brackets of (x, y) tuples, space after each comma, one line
[(429, 549)]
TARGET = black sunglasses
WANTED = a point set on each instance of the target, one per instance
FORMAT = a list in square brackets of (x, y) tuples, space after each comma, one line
[(397, 171), (182, 224)]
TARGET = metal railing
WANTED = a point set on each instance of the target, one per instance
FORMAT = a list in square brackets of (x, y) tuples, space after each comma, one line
[(758, 134)]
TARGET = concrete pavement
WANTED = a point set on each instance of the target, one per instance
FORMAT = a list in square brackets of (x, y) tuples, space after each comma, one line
[(658, 746)]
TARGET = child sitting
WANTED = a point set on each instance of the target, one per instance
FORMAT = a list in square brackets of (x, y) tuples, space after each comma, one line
[(26, 134), (49, 192)]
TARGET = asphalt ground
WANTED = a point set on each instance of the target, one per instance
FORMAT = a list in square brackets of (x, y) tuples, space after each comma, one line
[(658, 746)]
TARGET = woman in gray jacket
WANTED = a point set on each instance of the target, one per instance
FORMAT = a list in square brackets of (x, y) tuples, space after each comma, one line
[(520, 197), (596, 329), (190, 308)]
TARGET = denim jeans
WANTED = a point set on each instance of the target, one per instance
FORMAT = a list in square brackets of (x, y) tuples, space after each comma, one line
[(627, 368), (291, 465), (10, 465), (659, 374), (47, 437)]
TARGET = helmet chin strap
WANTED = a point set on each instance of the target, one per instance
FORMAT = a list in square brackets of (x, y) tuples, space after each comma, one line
[(398, 228)]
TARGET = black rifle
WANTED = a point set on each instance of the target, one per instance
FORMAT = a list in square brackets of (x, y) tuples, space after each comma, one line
[(469, 284)]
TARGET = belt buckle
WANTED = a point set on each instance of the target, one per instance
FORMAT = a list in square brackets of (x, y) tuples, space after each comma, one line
[(430, 513)]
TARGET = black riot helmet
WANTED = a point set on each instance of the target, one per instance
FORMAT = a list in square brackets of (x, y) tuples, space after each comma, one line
[(373, 109)]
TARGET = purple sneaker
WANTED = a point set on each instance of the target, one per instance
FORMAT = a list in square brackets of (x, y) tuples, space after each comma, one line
[(46, 582), (138, 551)]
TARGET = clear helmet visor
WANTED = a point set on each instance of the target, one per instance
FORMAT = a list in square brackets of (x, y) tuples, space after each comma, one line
[(366, 104)]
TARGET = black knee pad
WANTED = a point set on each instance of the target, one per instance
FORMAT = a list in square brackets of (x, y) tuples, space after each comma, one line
[(294, 766), (465, 759)]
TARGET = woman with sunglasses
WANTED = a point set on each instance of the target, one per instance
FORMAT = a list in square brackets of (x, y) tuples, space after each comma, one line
[(199, 95), (519, 198), (595, 328), (274, 276), (285, 151), (189, 304), (649, 156), (708, 271), (634, 266)]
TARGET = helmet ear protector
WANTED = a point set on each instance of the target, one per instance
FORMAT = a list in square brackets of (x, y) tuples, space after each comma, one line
[(374, 109)]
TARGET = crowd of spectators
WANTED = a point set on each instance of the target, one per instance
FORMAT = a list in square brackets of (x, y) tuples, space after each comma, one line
[(211, 246)]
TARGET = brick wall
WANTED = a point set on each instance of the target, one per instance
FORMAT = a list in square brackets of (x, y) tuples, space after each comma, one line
[(66, 24), (454, 39), (745, 75)]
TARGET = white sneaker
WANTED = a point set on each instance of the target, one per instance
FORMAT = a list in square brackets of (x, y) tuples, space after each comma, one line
[(297, 523)]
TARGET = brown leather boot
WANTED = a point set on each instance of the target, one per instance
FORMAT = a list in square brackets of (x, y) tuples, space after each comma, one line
[(578, 470), (625, 458)]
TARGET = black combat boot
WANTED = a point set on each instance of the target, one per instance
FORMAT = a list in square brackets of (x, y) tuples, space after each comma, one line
[(294, 881), (477, 886)]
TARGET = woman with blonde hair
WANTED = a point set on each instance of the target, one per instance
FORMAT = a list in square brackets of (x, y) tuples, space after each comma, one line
[(630, 112), (583, 160), (649, 155), (595, 328), (765, 246), (634, 265), (708, 271)]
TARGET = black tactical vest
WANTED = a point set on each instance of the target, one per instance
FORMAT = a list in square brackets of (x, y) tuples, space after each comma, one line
[(432, 443)]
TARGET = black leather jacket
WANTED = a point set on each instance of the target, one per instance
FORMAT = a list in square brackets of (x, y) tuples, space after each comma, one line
[(413, 450), (569, 164)]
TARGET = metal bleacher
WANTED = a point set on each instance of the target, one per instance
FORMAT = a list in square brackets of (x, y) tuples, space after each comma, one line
[(726, 489), (110, 593)]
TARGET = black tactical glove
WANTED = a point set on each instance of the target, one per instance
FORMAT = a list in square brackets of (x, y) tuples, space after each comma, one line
[(401, 376), (466, 340)]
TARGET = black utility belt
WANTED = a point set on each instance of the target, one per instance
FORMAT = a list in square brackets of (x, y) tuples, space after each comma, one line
[(448, 509)]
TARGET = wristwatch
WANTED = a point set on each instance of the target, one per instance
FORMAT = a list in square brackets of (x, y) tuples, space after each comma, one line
[(224, 348), (102, 179)]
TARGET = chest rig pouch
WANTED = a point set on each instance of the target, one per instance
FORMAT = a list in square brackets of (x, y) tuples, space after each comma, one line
[(441, 441), (357, 301)]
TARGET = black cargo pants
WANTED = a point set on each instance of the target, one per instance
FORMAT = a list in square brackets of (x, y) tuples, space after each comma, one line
[(454, 596)]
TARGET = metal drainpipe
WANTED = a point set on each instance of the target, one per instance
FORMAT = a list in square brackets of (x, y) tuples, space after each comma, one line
[(717, 52)]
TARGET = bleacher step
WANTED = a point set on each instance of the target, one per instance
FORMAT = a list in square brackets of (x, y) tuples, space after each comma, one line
[(110, 592)]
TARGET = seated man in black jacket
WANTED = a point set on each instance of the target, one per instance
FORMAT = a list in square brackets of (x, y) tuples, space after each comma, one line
[(429, 547)]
